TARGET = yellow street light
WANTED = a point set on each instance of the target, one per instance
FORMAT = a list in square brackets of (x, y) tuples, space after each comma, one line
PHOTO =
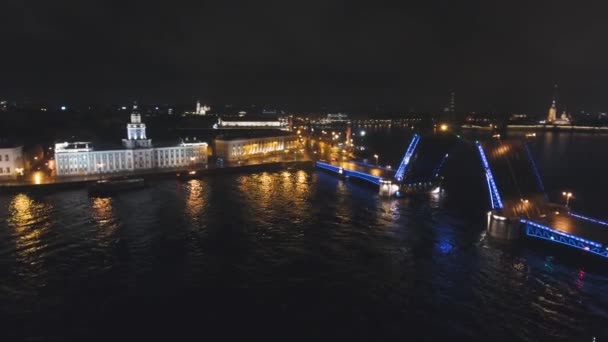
[(376, 156), (567, 195)]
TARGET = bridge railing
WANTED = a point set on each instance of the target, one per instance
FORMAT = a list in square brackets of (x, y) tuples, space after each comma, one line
[(349, 173), (538, 177), (540, 231), (440, 166), (406, 158), (364, 176), (329, 167), (495, 200)]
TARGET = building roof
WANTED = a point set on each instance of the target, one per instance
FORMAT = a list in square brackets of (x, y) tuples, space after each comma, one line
[(175, 142), (9, 146), (249, 117), (252, 133)]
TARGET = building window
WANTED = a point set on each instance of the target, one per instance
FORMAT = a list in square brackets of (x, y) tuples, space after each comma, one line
[(6, 157), (8, 170)]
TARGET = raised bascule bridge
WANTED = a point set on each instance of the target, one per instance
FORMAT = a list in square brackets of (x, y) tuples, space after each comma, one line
[(520, 205), (419, 170), (518, 202)]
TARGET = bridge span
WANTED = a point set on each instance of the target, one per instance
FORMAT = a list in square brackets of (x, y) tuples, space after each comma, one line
[(391, 182), (520, 205)]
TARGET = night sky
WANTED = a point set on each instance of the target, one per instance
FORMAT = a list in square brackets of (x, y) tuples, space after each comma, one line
[(497, 56)]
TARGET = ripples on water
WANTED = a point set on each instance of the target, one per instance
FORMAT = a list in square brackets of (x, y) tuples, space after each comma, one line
[(292, 254)]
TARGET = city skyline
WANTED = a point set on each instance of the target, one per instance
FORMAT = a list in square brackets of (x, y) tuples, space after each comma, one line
[(496, 58), (303, 170)]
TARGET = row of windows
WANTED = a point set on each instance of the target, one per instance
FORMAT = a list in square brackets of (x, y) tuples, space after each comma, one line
[(8, 170), (117, 161)]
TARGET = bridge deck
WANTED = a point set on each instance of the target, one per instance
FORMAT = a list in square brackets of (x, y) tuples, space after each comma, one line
[(523, 196), (576, 225), (366, 168)]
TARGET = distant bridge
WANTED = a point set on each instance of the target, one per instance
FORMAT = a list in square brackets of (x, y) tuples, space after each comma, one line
[(390, 182)]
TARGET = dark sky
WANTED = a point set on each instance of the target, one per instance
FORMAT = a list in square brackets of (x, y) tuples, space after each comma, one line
[(497, 56)]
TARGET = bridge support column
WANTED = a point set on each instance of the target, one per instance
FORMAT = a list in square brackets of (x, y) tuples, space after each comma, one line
[(387, 188), (503, 228)]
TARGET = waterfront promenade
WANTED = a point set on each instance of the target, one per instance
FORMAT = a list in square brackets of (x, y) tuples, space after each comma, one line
[(255, 164)]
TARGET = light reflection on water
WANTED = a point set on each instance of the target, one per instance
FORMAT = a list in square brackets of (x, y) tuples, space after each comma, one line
[(284, 247), (29, 221), (103, 215), (196, 199)]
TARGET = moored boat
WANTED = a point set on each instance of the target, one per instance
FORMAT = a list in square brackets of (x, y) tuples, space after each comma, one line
[(187, 175)]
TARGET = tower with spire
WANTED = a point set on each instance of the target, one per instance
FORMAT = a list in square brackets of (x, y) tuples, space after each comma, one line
[(136, 131), (552, 115), (449, 110), (201, 110)]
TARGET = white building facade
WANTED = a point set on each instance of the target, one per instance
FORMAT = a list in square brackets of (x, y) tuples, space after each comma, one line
[(244, 148), (11, 162), (80, 158)]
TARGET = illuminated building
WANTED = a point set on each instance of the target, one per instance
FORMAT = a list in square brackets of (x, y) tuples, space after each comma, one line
[(199, 110), (253, 144), (80, 158), (254, 122), (552, 115), (337, 117), (11, 161), (136, 132), (3, 105)]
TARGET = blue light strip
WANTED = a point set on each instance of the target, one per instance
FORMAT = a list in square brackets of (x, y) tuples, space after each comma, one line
[(540, 180), (328, 167), (349, 173), (362, 175), (604, 223), (495, 200), (406, 158), (438, 169), (540, 231)]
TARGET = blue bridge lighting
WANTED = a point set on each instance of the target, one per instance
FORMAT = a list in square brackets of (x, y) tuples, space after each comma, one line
[(495, 200), (603, 223), (538, 178), (349, 173), (406, 158), (540, 231)]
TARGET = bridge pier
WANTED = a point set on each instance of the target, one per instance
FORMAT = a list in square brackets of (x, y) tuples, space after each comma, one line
[(387, 188), (503, 228)]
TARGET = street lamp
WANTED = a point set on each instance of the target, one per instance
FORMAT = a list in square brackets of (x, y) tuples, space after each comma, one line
[(362, 133), (567, 195), (376, 156)]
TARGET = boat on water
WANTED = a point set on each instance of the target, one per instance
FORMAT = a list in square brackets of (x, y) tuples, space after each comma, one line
[(113, 185), (187, 175)]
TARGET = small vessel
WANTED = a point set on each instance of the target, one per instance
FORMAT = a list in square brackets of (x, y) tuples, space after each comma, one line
[(187, 174), (110, 186)]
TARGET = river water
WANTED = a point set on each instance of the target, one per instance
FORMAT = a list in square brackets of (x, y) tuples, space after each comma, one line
[(296, 255)]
